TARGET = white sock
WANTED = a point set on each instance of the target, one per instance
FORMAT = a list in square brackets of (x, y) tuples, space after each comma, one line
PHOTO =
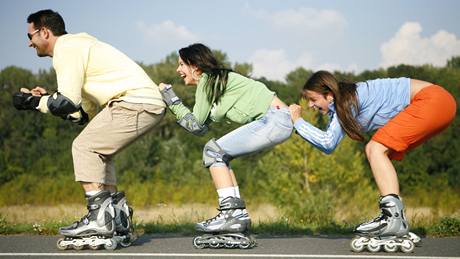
[(225, 192), (91, 193), (237, 192)]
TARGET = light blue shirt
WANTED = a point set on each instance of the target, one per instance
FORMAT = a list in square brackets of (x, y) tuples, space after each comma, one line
[(378, 101)]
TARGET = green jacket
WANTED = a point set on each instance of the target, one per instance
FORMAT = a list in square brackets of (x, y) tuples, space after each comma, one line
[(243, 101)]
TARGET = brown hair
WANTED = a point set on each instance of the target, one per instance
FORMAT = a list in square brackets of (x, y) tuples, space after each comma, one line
[(345, 98)]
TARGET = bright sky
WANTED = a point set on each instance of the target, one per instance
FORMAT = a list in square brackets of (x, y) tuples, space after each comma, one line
[(276, 36)]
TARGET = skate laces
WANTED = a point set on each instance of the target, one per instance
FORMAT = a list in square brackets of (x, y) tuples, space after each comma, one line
[(383, 216), (219, 215), (378, 218), (85, 218)]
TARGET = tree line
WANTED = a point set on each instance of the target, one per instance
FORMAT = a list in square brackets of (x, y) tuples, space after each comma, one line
[(165, 165)]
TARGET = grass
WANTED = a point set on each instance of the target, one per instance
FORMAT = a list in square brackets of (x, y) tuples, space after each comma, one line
[(180, 220)]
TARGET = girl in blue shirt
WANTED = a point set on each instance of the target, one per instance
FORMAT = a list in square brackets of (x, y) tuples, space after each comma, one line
[(405, 112)]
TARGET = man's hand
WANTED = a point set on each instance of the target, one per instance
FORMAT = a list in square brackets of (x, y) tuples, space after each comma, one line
[(296, 111)]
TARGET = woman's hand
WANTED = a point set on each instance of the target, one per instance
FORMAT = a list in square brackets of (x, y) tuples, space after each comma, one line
[(296, 111), (163, 86)]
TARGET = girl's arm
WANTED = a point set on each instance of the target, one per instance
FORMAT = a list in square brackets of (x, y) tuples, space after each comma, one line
[(193, 122), (325, 141)]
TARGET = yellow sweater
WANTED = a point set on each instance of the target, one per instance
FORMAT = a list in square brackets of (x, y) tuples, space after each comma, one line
[(92, 73)]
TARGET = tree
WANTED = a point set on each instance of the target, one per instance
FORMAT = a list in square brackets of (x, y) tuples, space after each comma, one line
[(244, 69), (454, 62)]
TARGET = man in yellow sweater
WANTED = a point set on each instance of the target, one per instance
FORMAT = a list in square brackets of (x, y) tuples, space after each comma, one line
[(93, 76)]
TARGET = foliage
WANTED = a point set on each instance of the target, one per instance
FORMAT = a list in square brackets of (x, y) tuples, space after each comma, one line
[(446, 227), (165, 165)]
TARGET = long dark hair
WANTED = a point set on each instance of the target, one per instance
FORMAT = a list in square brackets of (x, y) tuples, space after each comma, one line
[(201, 56), (345, 100)]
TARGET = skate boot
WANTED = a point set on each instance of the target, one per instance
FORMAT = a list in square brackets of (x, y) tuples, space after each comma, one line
[(228, 229), (389, 230), (95, 229), (124, 229)]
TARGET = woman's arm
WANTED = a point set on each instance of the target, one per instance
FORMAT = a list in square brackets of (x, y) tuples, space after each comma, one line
[(325, 141), (193, 122)]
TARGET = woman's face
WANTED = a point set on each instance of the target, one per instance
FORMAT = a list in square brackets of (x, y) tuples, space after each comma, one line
[(189, 73), (318, 101)]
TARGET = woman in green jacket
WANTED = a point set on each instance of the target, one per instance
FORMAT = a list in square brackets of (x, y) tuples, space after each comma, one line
[(222, 93)]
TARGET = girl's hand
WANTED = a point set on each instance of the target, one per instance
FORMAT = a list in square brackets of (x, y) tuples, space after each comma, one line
[(163, 86), (296, 111), (38, 91)]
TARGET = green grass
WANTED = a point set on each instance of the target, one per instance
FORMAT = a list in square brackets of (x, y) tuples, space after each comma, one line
[(442, 228)]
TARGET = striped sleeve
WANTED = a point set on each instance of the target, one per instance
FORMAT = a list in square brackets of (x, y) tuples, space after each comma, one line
[(325, 141)]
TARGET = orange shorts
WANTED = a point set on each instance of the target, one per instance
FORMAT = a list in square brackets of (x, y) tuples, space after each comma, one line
[(429, 112)]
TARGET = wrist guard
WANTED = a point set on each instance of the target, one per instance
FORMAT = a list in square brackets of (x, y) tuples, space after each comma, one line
[(169, 96), (25, 101)]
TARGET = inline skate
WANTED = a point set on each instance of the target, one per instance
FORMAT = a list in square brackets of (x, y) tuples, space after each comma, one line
[(389, 230), (93, 230), (229, 229), (123, 219)]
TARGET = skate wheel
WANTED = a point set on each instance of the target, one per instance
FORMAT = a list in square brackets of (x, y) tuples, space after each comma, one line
[(197, 243), (59, 244), (111, 244), (416, 239), (214, 244), (125, 243), (94, 247), (78, 247), (228, 244), (407, 246), (390, 247), (357, 245), (252, 241), (129, 240), (245, 245), (373, 248)]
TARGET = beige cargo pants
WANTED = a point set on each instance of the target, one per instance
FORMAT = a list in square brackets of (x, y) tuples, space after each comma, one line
[(114, 128)]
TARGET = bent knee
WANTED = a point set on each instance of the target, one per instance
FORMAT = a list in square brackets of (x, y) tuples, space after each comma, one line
[(213, 154), (79, 144), (375, 148)]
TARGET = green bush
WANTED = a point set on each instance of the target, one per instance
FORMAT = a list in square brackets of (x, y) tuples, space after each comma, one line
[(446, 227)]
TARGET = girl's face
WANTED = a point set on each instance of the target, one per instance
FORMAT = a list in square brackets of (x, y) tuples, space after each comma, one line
[(318, 101), (190, 73)]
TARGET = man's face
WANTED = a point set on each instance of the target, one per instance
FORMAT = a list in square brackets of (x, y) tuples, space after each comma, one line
[(36, 40)]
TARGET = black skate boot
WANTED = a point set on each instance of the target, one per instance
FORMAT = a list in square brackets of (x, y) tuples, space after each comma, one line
[(94, 229), (227, 229), (389, 230), (124, 228)]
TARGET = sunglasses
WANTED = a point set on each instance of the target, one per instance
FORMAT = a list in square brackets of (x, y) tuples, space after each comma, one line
[(30, 35)]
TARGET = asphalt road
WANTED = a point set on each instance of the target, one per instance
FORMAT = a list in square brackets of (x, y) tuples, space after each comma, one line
[(168, 246)]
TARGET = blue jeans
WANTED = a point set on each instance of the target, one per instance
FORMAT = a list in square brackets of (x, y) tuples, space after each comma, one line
[(273, 128)]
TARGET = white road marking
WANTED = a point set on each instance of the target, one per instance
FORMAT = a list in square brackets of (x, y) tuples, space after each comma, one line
[(227, 255)]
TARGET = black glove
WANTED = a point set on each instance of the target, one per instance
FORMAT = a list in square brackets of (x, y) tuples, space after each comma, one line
[(25, 101)]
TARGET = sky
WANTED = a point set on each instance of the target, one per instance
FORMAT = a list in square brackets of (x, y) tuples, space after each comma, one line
[(275, 36)]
